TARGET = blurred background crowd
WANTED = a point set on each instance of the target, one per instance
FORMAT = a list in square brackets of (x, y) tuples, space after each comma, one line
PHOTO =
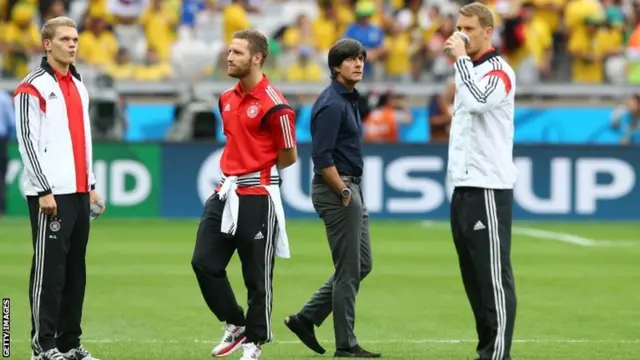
[(582, 41), (166, 44)]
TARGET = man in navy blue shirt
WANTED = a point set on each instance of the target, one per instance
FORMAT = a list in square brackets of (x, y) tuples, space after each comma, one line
[(336, 132)]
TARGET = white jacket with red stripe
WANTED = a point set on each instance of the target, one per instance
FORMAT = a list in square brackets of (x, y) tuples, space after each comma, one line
[(44, 139), (482, 128)]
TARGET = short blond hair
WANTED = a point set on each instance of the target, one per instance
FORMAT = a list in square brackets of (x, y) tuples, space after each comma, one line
[(51, 26), (484, 14)]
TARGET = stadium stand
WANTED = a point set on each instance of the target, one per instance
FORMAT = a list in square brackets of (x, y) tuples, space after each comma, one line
[(160, 48)]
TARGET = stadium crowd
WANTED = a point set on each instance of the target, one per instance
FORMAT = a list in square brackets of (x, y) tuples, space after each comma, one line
[(583, 41)]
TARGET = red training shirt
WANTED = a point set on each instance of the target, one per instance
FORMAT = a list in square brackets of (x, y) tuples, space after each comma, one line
[(257, 125)]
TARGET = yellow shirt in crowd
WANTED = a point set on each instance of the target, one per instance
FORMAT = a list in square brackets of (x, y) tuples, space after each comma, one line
[(98, 9), (234, 18), (538, 39), (160, 29), (13, 35), (309, 72), (398, 61), (293, 37), (577, 11), (151, 73), (120, 72), (611, 39), (549, 17), (324, 32), (97, 50), (584, 71), (345, 17)]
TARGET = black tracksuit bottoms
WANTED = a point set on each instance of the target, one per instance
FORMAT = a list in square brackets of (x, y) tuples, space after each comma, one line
[(58, 272), (255, 241), (481, 227)]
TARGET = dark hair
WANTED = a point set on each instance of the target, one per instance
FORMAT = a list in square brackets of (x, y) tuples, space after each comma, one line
[(342, 50), (258, 43)]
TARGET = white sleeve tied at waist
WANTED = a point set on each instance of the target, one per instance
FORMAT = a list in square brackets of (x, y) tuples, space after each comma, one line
[(230, 213)]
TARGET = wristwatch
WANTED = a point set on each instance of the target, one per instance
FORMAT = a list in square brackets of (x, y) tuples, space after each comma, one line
[(346, 192)]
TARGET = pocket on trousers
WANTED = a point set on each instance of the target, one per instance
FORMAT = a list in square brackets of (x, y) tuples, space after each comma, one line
[(324, 199)]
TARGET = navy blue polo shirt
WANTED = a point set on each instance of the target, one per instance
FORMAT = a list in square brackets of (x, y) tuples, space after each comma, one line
[(336, 131)]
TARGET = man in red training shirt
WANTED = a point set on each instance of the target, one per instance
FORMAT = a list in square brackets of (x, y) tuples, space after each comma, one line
[(245, 213)]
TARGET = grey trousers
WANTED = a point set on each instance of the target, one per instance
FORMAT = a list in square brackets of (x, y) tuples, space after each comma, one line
[(348, 234)]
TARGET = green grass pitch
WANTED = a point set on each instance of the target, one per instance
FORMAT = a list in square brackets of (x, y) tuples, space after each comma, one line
[(578, 290)]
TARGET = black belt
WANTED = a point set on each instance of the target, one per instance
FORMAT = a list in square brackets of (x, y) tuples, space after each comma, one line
[(317, 179)]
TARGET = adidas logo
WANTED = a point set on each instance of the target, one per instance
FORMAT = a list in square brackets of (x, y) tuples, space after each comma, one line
[(258, 236), (479, 226), (227, 107), (52, 96)]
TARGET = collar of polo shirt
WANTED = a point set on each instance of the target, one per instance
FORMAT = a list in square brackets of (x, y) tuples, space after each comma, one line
[(343, 90), (44, 64), (256, 91), (491, 53)]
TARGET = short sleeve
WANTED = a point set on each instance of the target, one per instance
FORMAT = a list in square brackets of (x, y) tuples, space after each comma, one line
[(282, 124)]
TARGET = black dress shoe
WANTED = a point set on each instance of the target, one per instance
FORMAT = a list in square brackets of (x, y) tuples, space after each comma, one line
[(303, 329), (355, 352)]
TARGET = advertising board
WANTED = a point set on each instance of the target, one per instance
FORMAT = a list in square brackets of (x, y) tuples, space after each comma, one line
[(409, 181), (400, 181), (126, 177)]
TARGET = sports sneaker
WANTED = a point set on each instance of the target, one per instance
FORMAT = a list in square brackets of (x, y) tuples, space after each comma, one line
[(52, 354), (251, 352), (233, 338), (78, 353)]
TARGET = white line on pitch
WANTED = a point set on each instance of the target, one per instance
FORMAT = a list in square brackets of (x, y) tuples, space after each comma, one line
[(389, 341), (554, 235), (548, 235)]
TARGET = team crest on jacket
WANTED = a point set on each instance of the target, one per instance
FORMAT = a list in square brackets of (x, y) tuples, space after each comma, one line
[(252, 111)]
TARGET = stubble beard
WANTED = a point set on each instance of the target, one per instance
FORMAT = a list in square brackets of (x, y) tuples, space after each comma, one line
[(240, 71)]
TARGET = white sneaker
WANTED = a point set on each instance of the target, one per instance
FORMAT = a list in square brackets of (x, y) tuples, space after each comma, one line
[(52, 354), (232, 340), (251, 352), (79, 353)]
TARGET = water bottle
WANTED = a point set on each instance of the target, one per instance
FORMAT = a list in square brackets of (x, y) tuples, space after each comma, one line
[(462, 36), (95, 209)]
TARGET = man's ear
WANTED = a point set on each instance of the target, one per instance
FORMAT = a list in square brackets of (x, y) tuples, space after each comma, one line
[(46, 44), (490, 32), (257, 58)]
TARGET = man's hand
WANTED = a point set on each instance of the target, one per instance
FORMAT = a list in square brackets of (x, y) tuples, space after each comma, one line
[(455, 46), (48, 205), (94, 198)]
